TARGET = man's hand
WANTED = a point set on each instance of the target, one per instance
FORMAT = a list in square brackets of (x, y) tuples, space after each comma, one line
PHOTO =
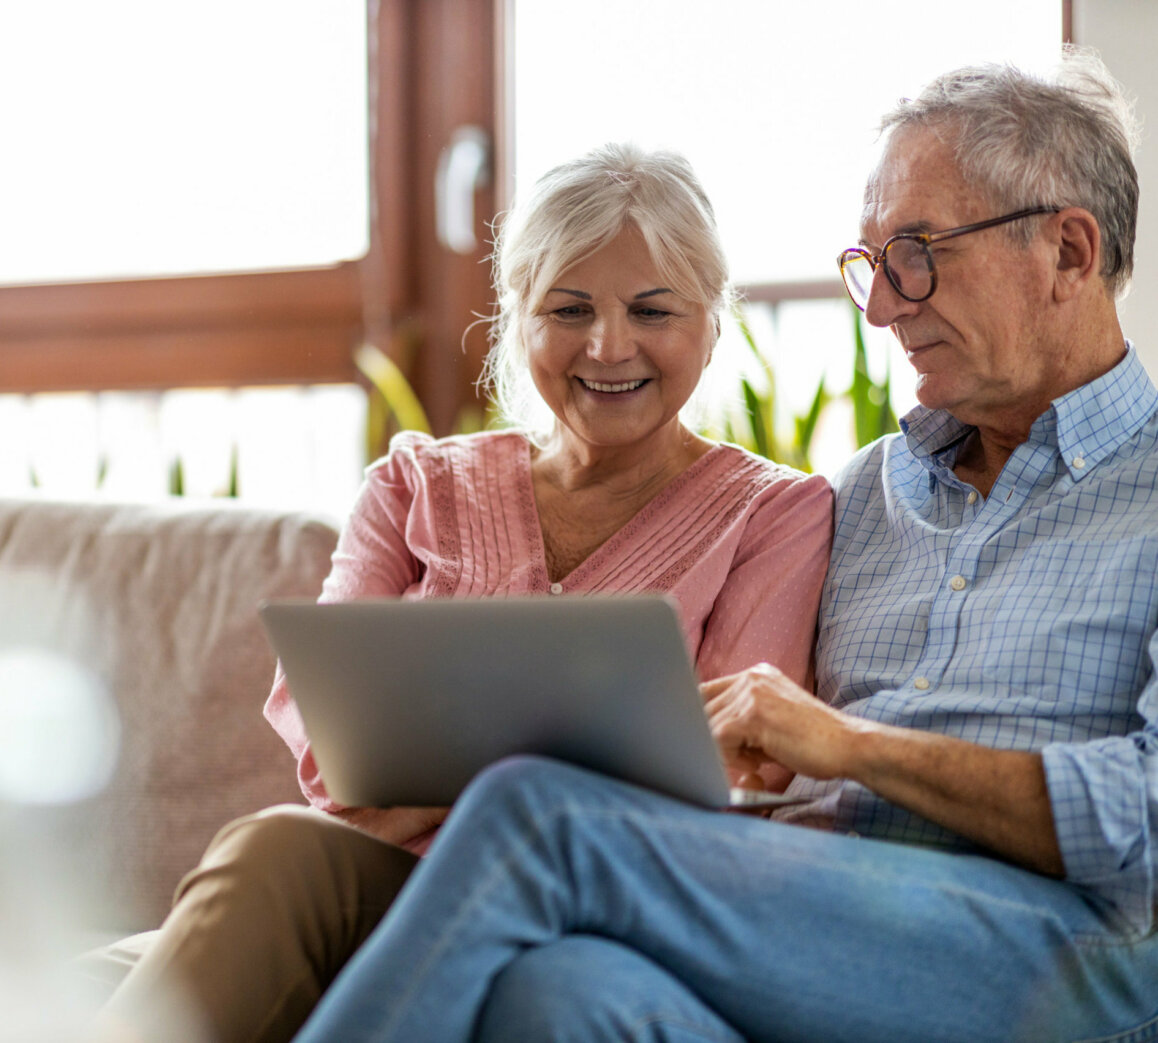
[(760, 715), (997, 798)]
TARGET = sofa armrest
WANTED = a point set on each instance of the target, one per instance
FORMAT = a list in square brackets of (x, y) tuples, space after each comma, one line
[(160, 602)]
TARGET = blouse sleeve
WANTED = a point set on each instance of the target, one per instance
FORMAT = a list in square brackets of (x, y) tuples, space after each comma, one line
[(372, 559), (766, 610)]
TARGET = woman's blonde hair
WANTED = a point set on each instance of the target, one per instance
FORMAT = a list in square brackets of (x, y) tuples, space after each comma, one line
[(573, 211)]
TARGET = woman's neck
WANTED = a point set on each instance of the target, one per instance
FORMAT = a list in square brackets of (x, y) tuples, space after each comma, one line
[(571, 465)]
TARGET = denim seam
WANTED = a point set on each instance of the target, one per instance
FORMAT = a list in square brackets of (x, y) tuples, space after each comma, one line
[(641, 1024), (1132, 1035)]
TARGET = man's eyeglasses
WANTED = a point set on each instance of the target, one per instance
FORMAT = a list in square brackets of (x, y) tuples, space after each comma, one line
[(908, 261)]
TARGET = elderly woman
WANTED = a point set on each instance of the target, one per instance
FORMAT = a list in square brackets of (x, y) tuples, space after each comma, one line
[(612, 283)]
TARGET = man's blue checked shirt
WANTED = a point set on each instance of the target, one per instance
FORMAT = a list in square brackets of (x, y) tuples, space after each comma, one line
[(1025, 620)]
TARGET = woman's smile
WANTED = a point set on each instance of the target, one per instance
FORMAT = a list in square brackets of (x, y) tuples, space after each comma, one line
[(617, 388)]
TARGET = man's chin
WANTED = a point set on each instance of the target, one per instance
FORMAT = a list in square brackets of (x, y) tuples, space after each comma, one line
[(934, 392), (929, 391)]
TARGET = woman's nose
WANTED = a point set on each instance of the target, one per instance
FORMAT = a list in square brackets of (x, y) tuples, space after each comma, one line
[(611, 340)]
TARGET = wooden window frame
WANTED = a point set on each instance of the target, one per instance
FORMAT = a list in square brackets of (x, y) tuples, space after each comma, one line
[(432, 68)]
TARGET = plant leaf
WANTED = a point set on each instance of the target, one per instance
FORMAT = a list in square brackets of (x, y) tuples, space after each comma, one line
[(395, 398), (756, 419)]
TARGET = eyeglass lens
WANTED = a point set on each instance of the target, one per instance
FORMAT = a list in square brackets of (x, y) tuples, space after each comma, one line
[(907, 263)]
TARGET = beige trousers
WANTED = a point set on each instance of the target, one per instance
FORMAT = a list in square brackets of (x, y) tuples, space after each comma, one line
[(278, 904)]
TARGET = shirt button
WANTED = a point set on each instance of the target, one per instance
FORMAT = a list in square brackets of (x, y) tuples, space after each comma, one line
[(958, 583), (972, 497), (556, 588), (1079, 462), (921, 683)]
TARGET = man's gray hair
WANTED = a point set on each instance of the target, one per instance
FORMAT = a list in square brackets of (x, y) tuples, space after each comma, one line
[(1064, 139)]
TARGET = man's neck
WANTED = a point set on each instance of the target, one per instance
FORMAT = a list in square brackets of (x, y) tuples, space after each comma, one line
[(996, 435), (980, 460)]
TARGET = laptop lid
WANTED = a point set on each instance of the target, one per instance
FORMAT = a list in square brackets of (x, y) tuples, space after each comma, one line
[(406, 701)]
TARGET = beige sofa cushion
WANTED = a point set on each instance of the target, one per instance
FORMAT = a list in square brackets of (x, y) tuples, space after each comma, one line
[(159, 601)]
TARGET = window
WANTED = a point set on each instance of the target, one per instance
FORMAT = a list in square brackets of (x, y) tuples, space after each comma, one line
[(775, 105), (279, 307), (162, 138)]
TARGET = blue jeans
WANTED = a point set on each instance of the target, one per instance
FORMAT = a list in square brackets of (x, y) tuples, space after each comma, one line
[(559, 905)]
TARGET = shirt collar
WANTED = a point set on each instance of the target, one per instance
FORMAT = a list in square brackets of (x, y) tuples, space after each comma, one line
[(1087, 424)]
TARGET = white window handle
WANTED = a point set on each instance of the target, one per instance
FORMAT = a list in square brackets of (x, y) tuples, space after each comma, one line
[(463, 168)]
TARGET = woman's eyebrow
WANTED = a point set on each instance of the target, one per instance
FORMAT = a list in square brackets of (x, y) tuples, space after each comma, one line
[(583, 295)]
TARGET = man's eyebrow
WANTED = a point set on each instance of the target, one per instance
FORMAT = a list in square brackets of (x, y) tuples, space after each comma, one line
[(914, 228)]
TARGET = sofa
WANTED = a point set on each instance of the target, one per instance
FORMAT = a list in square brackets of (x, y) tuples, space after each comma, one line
[(155, 605)]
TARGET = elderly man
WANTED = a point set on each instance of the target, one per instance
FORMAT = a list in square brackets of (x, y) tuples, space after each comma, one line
[(982, 756)]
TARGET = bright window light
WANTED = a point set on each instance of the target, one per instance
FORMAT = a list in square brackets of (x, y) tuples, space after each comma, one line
[(145, 137), (775, 104)]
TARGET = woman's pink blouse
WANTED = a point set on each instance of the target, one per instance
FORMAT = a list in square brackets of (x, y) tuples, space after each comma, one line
[(740, 543)]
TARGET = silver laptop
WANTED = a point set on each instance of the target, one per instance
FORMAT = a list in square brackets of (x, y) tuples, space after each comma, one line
[(405, 701)]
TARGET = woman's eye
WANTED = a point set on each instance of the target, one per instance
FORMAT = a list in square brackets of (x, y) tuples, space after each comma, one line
[(570, 311)]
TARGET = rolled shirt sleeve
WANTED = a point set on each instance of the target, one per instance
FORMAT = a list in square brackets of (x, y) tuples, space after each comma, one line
[(1104, 796)]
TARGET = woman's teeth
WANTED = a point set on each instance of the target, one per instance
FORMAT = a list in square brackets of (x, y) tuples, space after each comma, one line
[(629, 385)]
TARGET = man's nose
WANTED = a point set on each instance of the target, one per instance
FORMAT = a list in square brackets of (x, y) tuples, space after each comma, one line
[(884, 305)]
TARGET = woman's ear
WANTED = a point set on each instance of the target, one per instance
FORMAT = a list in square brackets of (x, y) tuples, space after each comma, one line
[(1079, 252)]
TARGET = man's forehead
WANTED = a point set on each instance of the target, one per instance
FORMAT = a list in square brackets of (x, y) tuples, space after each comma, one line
[(916, 186)]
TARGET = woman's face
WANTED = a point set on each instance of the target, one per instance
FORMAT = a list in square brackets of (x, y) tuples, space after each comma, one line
[(614, 351)]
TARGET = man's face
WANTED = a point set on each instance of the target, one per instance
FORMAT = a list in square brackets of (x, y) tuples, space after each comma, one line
[(979, 344)]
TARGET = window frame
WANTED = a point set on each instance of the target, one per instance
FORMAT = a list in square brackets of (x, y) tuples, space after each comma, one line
[(432, 68)]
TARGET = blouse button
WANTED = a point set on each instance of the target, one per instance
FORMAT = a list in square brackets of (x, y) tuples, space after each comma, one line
[(972, 497), (921, 683), (1079, 462), (958, 583), (556, 588)]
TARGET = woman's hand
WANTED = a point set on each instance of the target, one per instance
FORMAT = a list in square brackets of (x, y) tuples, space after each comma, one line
[(401, 826)]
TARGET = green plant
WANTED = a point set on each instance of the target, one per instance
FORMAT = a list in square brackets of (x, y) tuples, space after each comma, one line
[(872, 409), (177, 484), (391, 404), (759, 429)]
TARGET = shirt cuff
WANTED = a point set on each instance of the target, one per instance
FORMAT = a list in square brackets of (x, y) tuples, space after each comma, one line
[(1098, 794)]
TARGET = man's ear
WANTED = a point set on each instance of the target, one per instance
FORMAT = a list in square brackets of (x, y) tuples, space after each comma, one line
[(1079, 252)]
